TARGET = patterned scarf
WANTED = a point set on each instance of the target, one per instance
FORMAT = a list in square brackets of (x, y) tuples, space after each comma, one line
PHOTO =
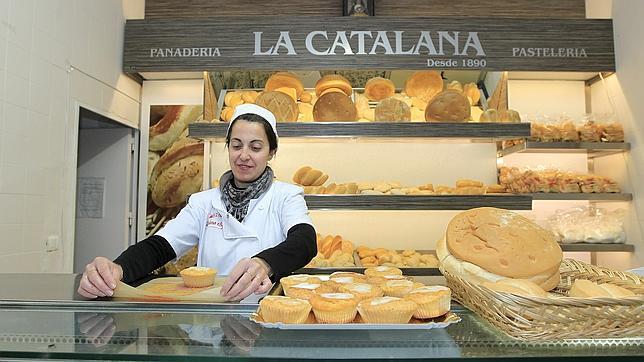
[(237, 199)]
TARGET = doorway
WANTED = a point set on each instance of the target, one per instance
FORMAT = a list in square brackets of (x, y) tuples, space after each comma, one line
[(106, 180)]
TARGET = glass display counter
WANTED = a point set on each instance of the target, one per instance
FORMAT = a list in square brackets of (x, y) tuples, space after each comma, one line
[(65, 327)]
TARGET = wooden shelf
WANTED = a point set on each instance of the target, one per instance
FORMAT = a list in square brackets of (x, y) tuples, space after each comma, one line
[(580, 197), (475, 131), (598, 247), (591, 149), (416, 202)]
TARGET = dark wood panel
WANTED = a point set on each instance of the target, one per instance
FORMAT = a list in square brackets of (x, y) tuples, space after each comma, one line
[(488, 131), (598, 247), (416, 202), (495, 8), (505, 44), (173, 9), (581, 196)]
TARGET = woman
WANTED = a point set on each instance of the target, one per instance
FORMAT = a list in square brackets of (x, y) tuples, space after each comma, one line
[(251, 228)]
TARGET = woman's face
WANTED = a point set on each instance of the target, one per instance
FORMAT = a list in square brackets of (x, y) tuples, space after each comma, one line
[(248, 150)]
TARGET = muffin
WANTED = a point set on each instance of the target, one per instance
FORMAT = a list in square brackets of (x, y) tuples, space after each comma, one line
[(361, 291), (307, 290), (334, 307), (433, 301), (198, 276), (399, 288), (379, 280), (337, 282), (342, 274), (286, 282), (382, 271), (274, 308), (387, 310)]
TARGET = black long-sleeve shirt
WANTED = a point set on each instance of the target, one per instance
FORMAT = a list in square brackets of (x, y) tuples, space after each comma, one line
[(153, 252)]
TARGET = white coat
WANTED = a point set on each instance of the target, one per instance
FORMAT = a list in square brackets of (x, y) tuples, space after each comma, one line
[(223, 240)]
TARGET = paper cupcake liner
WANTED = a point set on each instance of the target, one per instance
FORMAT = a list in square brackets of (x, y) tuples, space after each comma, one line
[(386, 316), (198, 281), (433, 309), (279, 314), (396, 292), (335, 317), (299, 293)]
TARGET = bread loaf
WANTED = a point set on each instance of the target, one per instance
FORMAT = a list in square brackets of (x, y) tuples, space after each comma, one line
[(582, 288), (281, 105), (448, 106), (392, 110), (379, 88), (517, 286), (333, 81), (424, 84), (471, 91), (168, 129), (308, 176), (334, 107), (285, 79)]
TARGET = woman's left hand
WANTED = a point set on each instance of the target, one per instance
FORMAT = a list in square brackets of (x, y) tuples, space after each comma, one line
[(248, 276)]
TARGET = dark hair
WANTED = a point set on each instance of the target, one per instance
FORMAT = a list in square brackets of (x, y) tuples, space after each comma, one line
[(251, 117)]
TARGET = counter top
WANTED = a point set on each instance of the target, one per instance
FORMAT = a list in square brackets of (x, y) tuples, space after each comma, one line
[(60, 325)]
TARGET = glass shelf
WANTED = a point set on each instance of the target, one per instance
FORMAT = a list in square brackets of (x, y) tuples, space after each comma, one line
[(591, 149)]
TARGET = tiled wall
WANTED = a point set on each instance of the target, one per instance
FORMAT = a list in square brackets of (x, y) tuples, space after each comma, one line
[(54, 56)]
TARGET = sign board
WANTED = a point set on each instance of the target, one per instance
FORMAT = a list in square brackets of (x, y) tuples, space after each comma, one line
[(246, 43)]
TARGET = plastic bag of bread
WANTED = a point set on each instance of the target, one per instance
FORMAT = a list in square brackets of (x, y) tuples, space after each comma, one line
[(588, 225), (172, 124)]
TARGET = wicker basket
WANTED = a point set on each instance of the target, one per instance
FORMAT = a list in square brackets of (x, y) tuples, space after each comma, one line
[(531, 318)]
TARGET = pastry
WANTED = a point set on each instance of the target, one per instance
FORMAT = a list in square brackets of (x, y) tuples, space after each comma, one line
[(306, 290), (424, 84), (379, 88), (198, 276), (333, 307), (392, 110), (342, 274), (399, 288), (334, 107), (433, 301), (382, 271), (361, 291), (387, 310), (333, 81), (280, 104), (274, 309), (448, 106), (285, 79), (287, 282)]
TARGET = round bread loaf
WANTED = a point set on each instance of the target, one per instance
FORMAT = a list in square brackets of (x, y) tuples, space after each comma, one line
[(424, 84), (509, 116), (471, 91), (505, 244), (334, 107), (379, 88), (392, 110), (177, 174), (284, 79), (448, 106), (280, 104), (333, 81)]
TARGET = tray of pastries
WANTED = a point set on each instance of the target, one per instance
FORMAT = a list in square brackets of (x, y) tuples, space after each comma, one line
[(381, 298)]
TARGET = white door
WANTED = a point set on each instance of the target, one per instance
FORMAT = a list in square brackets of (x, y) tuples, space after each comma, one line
[(104, 207)]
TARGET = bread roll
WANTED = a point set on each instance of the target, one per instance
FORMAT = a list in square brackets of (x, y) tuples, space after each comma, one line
[(517, 286), (471, 91), (308, 176), (496, 244), (582, 288), (284, 79), (455, 85), (334, 107), (249, 96), (333, 81), (167, 130), (424, 84), (281, 105), (490, 115), (379, 88), (509, 116), (233, 99), (392, 110), (448, 106)]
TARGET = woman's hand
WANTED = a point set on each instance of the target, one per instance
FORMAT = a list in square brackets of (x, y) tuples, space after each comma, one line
[(248, 276), (99, 278)]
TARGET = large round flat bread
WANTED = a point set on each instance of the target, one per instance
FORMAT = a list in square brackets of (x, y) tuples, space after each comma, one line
[(392, 110), (333, 81), (282, 105), (424, 84), (504, 243), (379, 88), (334, 107), (284, 79), (448, 106)]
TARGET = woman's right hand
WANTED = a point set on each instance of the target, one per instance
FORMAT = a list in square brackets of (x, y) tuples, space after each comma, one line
[(99, 278)]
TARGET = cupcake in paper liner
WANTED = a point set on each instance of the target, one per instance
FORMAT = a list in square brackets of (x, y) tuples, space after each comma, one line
[(307, 290), (337, 282), (286, 282), (334, 308), (433, 301), (379, 280), (399, 287), (198, 276), (387, 310), (275, 309), (382, 270), (361, 291)]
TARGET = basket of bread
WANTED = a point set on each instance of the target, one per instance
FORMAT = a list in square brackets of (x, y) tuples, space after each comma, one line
[(512, 273)]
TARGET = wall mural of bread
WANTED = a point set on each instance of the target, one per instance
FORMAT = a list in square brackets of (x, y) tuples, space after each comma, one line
[(175, 169)]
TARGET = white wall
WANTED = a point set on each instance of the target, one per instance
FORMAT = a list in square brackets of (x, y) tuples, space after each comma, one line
[(54, 56)]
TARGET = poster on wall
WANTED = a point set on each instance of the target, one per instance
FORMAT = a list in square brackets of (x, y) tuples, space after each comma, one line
[(175, 168)]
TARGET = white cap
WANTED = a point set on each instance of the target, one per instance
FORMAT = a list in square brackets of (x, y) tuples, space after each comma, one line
[(257, 110)]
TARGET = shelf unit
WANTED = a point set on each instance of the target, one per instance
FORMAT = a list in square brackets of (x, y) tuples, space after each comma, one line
[(591, 149), (416, 202)]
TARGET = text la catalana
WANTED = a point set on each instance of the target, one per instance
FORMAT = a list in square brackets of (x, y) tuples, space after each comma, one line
[(378, 42)]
